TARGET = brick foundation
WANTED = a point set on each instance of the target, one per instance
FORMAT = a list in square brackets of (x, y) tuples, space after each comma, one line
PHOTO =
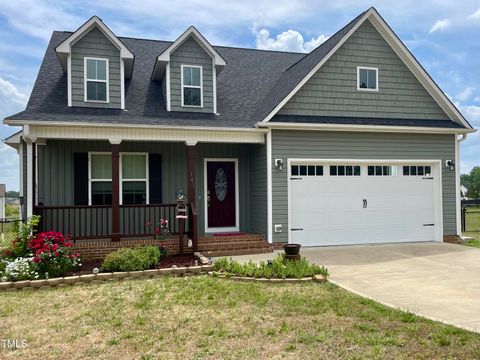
[(452, 239), (208, 245)]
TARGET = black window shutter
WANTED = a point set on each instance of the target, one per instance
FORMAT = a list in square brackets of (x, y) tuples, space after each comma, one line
[(155, 178), (80, 178)]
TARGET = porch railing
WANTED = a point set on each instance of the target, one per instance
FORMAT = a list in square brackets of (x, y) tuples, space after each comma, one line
[(95, 222)]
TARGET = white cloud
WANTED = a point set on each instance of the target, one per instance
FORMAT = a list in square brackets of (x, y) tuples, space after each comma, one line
[(475, 15), (466, 94), (10, 93), (290, 40), (440, 25)]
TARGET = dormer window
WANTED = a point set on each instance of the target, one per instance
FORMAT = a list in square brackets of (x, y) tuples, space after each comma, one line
[(192, 86), (367, 78), (96, 80)]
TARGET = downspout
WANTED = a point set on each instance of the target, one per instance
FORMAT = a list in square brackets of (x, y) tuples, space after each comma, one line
[(457, 182)]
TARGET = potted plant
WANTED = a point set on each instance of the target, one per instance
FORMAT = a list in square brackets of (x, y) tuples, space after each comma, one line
[(291, 249)]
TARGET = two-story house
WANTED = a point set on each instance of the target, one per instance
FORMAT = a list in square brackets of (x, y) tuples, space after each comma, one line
[(352, 143)]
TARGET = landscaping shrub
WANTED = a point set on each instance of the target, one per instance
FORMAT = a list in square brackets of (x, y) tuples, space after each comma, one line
[(51, 254), (278, 269), (17, 246), (18, 269), (140, 258)]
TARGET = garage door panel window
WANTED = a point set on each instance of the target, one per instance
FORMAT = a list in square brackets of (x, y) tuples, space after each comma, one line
[(345, 170), (417, 170), (306, 170), (377, 170)]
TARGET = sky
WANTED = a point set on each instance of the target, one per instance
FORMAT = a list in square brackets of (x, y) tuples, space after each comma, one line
[(443, 35)]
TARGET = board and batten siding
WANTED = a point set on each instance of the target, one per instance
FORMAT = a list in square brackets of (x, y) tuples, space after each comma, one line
[(239, 151), (332, 90), (372, 146), (258, 189), (95, 44), (56, 176), (190, 53)]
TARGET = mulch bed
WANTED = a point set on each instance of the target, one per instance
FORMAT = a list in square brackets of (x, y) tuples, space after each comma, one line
[(165, 262)]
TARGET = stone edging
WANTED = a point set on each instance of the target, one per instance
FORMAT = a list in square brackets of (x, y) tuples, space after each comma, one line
[(315, 278), (69, 280)]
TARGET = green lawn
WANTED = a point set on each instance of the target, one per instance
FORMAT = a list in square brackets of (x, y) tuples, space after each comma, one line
[(475, 242), (210, 318)]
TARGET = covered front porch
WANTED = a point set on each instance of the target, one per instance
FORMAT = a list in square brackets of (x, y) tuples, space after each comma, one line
[(122, 190)]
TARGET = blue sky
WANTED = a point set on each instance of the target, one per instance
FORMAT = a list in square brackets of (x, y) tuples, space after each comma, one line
[(443, 35)]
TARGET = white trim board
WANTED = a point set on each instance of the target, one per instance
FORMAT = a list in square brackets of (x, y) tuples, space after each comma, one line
[(237, 197), (400, 49), (436, 170)]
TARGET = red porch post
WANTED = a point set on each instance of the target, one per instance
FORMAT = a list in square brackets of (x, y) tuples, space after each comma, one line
[(115, 192), (191, 173)]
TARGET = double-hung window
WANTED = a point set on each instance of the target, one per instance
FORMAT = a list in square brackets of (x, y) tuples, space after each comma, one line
[(367, 78), (192, 86), (134, 178), (96, 80), (100, 179)]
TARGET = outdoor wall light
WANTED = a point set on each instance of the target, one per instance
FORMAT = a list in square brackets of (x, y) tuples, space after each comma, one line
[(279, 164), (450, 164)]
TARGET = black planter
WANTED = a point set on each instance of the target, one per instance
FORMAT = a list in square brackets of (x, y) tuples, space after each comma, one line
[(292, 249)]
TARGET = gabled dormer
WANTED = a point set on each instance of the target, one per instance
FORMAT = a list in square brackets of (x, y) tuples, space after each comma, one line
[(96, 63), (188, 70)]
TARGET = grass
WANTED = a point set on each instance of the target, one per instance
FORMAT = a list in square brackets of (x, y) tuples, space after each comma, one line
[(211, 318), (475, 242)]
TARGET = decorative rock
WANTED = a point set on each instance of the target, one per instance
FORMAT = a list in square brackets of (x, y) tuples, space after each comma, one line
[(87, 278), (103, 276), (120, 275), (71, 279), (38, 283), (319, 278), (21, 284)]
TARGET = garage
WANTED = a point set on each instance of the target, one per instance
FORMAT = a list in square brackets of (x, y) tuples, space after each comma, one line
[(362, 202)]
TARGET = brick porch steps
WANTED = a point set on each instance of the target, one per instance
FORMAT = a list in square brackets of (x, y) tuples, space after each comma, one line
[(233, 245)]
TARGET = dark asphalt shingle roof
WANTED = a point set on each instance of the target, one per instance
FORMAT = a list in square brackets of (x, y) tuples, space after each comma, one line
[(250, 86)]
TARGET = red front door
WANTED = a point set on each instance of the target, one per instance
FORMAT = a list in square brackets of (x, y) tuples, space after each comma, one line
[(221, 194)]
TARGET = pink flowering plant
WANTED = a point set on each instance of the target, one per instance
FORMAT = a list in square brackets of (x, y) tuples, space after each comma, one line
[(52, 255), (160, 232)]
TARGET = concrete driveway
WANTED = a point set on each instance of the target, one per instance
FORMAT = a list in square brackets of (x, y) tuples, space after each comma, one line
[(436, 280)]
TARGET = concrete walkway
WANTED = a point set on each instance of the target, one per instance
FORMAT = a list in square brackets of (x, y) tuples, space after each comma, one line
[(436, 280)]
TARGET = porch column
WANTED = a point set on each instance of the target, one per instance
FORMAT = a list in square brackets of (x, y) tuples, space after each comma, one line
[(191, 174), (115, 190)]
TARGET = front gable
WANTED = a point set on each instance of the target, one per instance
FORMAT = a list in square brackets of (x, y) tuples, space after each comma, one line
[(332, 90), (191, 53), (95, 44)]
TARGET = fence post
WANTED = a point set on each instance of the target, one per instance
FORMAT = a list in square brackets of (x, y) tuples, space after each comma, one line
[(464, 211)]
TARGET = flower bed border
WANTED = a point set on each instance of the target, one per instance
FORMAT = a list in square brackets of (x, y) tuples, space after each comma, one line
[(314, 278), (70, 280)]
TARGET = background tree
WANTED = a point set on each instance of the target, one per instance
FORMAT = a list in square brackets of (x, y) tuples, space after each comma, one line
[(472, 183)]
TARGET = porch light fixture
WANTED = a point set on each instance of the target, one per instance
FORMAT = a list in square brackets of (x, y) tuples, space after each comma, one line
[(279, 164), (450, 164)]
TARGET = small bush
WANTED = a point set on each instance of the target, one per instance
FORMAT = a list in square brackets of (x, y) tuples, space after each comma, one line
[(140, 258), (278, 269), (19, 269)]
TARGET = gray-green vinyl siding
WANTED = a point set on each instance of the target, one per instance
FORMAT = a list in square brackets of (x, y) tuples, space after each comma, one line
[(346, 145), (190, 53), (332, 90), (95, 44), (55, 171)]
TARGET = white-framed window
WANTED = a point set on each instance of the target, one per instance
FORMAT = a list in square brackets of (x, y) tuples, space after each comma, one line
[(367, 78), (192, 85), (133, 178), (96, 80), (100, 178)]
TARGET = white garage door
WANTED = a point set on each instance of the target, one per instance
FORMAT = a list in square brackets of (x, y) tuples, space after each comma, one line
[(336, 204)]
